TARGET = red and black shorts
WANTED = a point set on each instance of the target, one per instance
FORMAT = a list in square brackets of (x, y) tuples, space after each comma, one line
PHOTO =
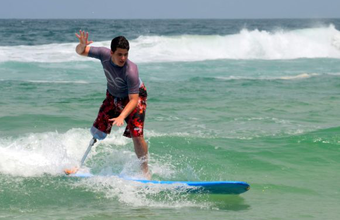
[(113, 106)]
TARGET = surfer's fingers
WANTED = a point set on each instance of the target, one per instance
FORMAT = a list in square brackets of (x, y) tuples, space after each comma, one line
[(113, 120), (116, 122), (86, 38), (82, 35)]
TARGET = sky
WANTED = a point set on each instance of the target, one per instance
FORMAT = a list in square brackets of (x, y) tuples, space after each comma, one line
[(170, 9)]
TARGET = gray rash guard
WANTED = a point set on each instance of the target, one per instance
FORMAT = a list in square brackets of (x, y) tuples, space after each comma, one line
[(121, 81)]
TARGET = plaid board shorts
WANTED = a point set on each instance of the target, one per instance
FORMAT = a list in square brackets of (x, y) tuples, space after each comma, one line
[(113, 106)]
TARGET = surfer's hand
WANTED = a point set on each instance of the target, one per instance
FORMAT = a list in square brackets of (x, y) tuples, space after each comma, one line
[(83, 38), (119, 121)]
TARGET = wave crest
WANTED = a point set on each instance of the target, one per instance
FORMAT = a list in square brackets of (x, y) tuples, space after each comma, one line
[(322, 42)]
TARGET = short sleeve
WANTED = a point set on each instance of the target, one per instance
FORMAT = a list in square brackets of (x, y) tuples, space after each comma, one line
[(98, 52)]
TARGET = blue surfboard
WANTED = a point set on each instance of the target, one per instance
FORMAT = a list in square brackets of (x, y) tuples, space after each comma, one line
[(214, 187)]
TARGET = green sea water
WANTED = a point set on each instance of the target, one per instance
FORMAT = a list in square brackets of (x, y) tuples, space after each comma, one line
[(255, 101)]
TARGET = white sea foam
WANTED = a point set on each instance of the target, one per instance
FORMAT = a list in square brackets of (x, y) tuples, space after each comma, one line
[(58, 82), (51, 152), (291, 77), (321, 42), (33, 155), (141, 195), (300, 76)]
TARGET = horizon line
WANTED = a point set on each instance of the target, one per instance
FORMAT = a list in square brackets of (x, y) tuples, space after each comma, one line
[(283, 18)]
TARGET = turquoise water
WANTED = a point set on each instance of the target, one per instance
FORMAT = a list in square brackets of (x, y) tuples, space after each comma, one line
[(247, 100)]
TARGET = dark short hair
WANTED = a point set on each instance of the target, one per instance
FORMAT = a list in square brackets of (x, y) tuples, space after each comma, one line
[(119, 42)]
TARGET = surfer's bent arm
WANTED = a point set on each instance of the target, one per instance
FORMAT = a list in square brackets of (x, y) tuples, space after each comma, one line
[(83, 48), (132, 104)]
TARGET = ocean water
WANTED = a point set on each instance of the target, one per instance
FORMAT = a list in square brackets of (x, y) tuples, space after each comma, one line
[(246, 100)]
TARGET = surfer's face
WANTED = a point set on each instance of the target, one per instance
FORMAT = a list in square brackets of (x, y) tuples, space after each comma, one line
[(120, 56)]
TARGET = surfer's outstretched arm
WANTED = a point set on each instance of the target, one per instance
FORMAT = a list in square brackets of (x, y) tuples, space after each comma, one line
[(83, 48)]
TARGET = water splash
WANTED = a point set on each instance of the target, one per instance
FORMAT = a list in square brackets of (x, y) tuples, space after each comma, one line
[(320, 42)]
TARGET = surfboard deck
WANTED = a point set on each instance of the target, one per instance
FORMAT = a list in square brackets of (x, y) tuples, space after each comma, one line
[(214, 187)]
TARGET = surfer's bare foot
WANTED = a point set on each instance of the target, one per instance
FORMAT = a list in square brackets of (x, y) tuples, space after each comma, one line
[(71, 171)]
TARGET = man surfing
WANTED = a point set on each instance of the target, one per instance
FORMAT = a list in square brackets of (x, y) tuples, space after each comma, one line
[(126, 96)]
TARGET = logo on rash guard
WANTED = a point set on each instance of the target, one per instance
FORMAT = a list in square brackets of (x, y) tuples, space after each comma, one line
[(117, 82)]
